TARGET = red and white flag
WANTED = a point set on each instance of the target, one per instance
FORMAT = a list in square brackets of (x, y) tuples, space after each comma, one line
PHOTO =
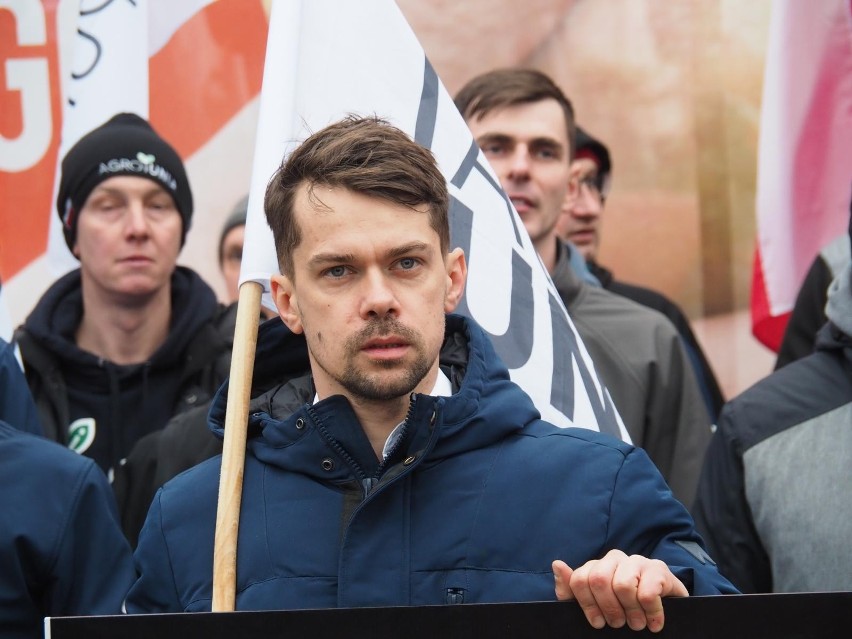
[(804, 181), (326, 59), (191, 67)]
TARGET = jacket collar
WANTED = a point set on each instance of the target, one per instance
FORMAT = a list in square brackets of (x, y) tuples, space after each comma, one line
[(288, 431)]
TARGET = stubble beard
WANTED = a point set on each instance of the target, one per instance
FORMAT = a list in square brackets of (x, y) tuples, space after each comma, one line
[(372, 387)]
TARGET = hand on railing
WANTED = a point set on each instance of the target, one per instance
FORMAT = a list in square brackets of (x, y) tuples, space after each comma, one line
[(619, 589)]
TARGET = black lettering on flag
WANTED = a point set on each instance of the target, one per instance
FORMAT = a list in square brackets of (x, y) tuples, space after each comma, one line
[(427, 114), (470, 162), (516, 344), (566, 349), (482, 170)]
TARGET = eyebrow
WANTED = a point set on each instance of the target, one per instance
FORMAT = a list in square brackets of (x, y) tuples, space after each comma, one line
[(330, 258), (502, 138), (405, 249), (337, 258), (494, 137)]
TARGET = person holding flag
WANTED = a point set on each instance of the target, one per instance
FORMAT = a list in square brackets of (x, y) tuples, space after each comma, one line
[(391, 461), (116, 348)]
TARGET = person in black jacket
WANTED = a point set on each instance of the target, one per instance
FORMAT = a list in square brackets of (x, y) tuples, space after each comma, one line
[(808, 314), (115, 349), (580, 225)]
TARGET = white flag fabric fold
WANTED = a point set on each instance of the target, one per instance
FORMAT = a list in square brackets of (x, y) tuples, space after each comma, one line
[(326, 59), (108, 75)]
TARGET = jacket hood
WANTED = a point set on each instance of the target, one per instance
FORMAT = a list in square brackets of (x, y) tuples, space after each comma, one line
[(55, 319), (285, 427), (838, 333)]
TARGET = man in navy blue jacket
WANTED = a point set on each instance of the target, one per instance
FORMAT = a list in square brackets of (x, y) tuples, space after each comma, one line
[(391, 460), (16, 403)]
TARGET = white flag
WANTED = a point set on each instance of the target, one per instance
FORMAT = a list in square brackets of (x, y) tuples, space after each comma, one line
[(326, 59)]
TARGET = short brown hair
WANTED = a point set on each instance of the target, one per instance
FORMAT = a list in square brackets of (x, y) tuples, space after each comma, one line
[(366, 155), (508, 87)]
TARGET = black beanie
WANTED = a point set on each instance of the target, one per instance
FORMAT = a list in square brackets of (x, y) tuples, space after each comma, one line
[(124, 145), (594, 149), (237, 217)]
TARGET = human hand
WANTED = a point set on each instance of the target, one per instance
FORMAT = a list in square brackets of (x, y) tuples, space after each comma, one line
[(619, 589)]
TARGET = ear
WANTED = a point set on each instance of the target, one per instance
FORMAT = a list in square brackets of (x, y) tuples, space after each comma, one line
[(284, 297), (456, 278)]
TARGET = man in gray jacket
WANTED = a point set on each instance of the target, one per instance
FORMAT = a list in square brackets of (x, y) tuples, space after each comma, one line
[(525, 126), (774, 503)]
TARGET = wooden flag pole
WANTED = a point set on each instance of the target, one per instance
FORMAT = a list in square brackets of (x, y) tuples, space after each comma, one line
[(234, 449)]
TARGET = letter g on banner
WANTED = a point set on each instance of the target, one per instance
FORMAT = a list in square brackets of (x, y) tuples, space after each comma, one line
[(29, 78)]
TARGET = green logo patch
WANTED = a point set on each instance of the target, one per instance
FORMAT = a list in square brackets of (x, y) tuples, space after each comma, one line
[(81, 434)]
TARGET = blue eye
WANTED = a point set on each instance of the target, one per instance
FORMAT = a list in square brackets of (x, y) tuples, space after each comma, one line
[(336, 271), (407, 263)]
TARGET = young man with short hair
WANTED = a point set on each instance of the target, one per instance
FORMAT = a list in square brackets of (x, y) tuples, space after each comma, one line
[(524, 124), (391, 461)]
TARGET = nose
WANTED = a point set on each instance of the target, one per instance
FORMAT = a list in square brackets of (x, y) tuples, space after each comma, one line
[(586, 203), (136, 222), (378, 299), (519, 163)]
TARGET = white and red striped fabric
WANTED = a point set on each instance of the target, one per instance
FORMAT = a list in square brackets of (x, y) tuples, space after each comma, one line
[(190, 67), (804, 180)]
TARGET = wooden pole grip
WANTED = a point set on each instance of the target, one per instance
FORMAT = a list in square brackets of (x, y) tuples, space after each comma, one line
[(234, 448)]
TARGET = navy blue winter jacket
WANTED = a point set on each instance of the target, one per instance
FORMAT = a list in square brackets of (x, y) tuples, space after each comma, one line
[(61, 549), (16, 404), (472, 506)]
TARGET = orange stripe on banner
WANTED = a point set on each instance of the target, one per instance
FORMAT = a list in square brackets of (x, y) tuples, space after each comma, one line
[(26, 192), (210, 68)]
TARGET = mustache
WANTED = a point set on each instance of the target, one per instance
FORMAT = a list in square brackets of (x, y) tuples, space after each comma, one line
[(381, 327)]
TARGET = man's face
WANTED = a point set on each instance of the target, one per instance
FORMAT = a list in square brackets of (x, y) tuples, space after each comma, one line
[(370, 289), (128, 237), (581, 219), (232, 256), (528, 147)]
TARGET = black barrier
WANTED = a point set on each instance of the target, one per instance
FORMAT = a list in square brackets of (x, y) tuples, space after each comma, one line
[(799, 616)]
